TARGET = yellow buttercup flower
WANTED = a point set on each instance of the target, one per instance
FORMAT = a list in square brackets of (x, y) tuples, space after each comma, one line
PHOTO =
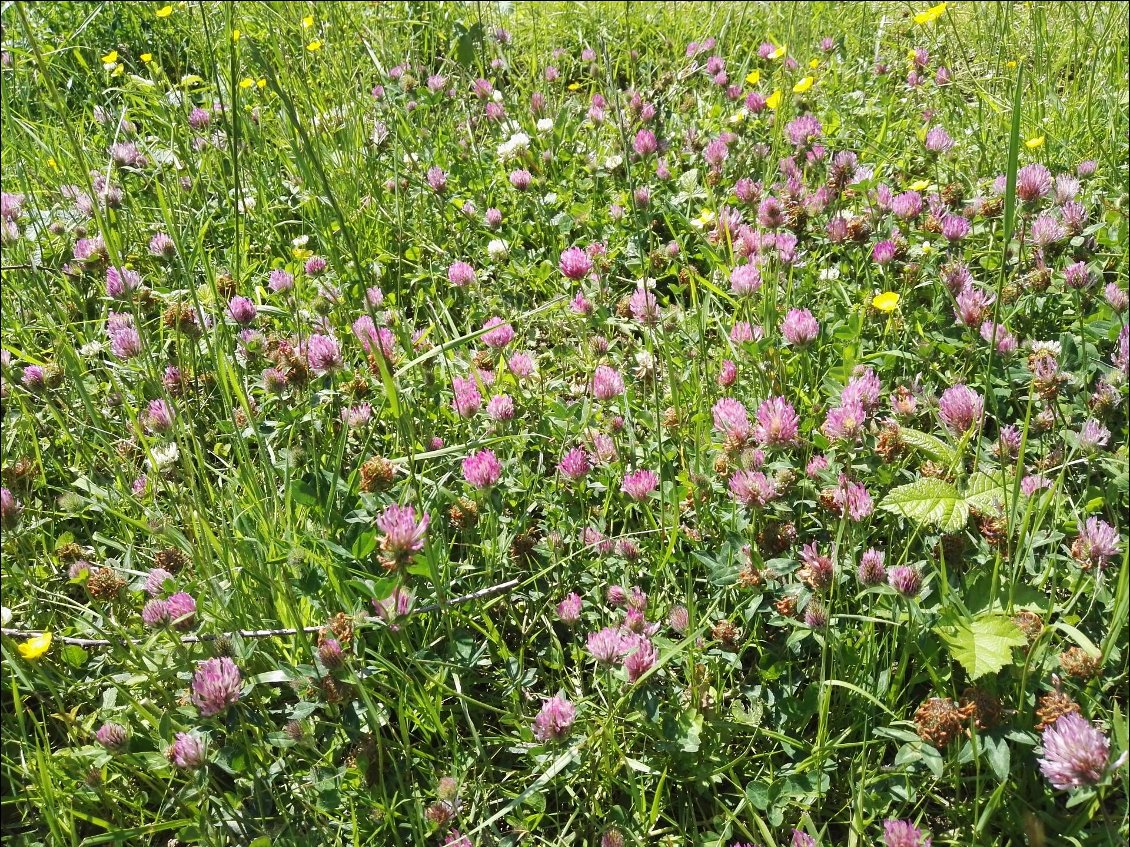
[(774, 99), (814, 63), (888, 301), (314, 46), (1033, 143), (930, 15), (574, 86), (803, 85), (301, 254), (147, 58), (262, 83), (753, 77), (164, 11), (35, 647), (51, 163), (235, 35), (738, 116), (1011, 63), (118, 70), (247, 82), (110, 57), (779, 52), (920, 185), (308, 22)]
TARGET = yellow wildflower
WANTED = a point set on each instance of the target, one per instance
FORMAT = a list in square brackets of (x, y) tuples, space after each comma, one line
[(574, 86), (774, 99), (164, 11), (235, 35), (246, 82), (888, 301), (35, 647), (814, 63), (779, 52), (314, 46), (753, 77), (147, 58), (308, 22), (262, 83), (110, 57), (1033, 143), (920, 185), (803, 85), (930, 15)]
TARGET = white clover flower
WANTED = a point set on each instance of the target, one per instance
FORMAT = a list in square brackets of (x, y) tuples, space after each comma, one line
[(545, 124), (164, 456), (1052, 347), (519, 142), (496, 96), (497, 250)]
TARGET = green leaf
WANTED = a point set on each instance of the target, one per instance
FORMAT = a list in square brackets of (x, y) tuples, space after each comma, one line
[(984, 491), (984, 645), (929, 501), (996, 752), (931, 445)]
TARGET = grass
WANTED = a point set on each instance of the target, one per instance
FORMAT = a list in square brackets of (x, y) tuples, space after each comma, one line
[(783, 692)]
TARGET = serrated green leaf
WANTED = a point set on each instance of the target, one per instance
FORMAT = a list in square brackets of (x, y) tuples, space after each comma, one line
[(984, 645), (929, 501), (931, 445), (984, 491)]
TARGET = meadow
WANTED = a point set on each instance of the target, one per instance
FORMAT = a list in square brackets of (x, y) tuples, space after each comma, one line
[(610, 424)]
